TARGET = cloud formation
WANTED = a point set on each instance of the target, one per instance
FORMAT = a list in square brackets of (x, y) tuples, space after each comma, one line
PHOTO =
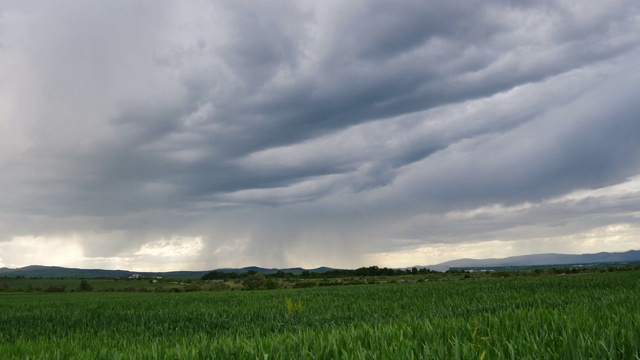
[(306, 134)]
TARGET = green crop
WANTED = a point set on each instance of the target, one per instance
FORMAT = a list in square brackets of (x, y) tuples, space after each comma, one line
[(293, 306), (586, 316)]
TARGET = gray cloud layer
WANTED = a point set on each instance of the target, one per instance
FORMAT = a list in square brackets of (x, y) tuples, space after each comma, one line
[(286, 133)]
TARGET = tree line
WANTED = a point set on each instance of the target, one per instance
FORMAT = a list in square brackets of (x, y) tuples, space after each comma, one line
[(306, 274)]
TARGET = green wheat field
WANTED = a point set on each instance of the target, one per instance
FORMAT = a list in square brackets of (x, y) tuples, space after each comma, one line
[(581, 316)]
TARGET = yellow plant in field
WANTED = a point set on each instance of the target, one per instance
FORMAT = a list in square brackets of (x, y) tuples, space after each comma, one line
[(476, 340), (293, 307)]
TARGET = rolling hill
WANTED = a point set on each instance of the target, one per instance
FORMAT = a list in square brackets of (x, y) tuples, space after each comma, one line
[(542, 260), (632, 256)]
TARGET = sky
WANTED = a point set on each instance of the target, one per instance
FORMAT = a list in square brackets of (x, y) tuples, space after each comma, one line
[(196, 135)]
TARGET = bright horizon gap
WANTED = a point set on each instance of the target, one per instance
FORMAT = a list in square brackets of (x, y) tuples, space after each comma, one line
[(315, 267)]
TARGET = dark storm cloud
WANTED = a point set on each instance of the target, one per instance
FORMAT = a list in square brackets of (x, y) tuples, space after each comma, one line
[(457, 62), (590, 144), (384, 61), (268, 126)]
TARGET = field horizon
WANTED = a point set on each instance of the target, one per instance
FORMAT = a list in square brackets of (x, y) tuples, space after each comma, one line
[(531, 260)]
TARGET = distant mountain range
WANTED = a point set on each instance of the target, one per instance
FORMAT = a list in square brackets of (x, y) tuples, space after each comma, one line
[(541, 260), (59, 272), (632, 256)]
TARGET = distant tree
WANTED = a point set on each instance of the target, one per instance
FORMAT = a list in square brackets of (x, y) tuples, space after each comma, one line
[(215, 286), (61, 288), (272, 284), (85, 286), (192, 287), (219, 275), (537, 272), (255, 282)]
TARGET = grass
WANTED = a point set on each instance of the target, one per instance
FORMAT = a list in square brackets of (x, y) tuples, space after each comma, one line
[(594, 316), (69, 284)]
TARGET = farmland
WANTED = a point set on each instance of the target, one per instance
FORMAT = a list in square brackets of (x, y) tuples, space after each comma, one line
[(593, 315)]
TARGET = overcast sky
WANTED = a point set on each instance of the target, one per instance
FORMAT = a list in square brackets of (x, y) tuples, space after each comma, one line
[(194, 135)]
